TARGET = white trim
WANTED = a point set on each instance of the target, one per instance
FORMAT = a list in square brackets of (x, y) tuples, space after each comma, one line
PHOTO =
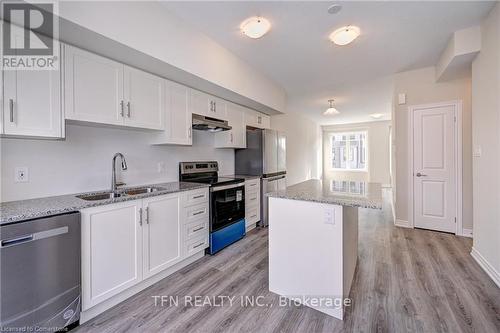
[(402, 224), (467, 232), (486, 266), (458, 160)]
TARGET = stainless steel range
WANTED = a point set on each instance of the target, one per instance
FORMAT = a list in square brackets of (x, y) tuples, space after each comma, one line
[(227, 202)]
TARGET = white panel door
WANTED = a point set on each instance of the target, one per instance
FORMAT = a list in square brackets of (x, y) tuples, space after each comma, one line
[(162, 233), (32, 101), (236, 137), (201, 103), (111, 250), (144, 96), (434, 168), (179, 119), (93, 88)]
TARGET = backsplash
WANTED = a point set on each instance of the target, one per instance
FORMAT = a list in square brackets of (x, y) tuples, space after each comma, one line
[(82, 162)]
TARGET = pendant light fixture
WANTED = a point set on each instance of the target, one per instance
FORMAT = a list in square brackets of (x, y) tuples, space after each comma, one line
[(331, 110)]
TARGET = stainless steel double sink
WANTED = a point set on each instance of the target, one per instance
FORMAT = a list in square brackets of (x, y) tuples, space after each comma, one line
[(111, 195)]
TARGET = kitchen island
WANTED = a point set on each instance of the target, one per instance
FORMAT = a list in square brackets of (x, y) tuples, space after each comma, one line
[(313, 241)]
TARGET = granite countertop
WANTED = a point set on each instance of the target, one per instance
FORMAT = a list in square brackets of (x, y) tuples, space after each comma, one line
[(337, 192), (14, 211), (246, 177)]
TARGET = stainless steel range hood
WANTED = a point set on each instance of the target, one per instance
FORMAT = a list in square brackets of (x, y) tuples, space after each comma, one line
[(203, 123)]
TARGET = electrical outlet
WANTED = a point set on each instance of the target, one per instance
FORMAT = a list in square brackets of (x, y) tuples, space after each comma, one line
[(329, 216), (161, 167), (21, 175)]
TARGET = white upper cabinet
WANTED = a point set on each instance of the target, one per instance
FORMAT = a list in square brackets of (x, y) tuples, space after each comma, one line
[(104, 91), (93, 88), (178, 120), (32, 102), (162, 238), (236, 137), (257, 119), (207, 105), (144, 98)]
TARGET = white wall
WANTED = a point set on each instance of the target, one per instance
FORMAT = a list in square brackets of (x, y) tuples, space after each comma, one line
[(83, 161), (486, 135), (420, 87), (150, 28), (378, 152), (303, 146)]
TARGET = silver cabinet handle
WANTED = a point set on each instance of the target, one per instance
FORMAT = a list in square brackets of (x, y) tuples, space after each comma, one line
[(11, 109), (215, 106), (189, 132), (147, 215), (199, 212), (194, 247), (198, 229), (231, 137), (121, 109), (140, 216), (128, 109), (420, 175), (198, 196), (212, 106), (259, 119)]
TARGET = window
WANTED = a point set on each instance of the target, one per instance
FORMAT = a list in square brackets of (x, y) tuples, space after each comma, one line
[(349, 151)]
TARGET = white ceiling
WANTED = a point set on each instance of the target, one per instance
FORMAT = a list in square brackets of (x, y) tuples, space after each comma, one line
[(296, 53)]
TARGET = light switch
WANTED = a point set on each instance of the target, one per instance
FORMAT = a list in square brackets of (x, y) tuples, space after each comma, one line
[(329, 216), (402, 99), (477, 151)]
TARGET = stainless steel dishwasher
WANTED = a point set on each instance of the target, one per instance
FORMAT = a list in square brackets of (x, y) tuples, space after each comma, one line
[(40, 273)]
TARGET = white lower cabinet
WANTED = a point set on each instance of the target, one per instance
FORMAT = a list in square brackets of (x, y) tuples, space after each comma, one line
[(126, 243), (252, 203), (162, 237), (111, 250)]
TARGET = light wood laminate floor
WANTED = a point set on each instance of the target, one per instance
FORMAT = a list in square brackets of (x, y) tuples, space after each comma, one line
[(406, 281)]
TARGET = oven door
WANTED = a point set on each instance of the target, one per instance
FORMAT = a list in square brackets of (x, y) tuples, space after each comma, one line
[(227, 205)]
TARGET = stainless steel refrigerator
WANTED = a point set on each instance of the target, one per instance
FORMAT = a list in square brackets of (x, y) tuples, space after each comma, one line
[(265, 156)]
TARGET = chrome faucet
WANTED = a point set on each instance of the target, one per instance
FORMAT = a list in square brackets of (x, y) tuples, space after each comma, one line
[(113, 170)]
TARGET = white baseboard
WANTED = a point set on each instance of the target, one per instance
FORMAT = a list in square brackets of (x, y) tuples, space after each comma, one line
[(402, 223), (486, 266), (467, 232)]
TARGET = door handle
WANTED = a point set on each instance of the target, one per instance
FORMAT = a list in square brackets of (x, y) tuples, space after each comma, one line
[(420, 174), (11, 109)]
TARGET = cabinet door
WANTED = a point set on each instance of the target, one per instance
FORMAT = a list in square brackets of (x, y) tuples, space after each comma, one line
[(32, 101), (201, 103), (236, 137), (144, 96), (219, 109), (93, 88), (162, 233), (111, 250)]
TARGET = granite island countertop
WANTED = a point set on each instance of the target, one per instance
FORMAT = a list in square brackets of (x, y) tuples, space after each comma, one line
[(14, 211), (337, 192)]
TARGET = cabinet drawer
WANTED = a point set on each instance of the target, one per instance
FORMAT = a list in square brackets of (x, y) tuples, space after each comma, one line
[(196, 197), (252, 199), (252, 215), (197, 229), (252, 185), (195, 245), (198, 212)]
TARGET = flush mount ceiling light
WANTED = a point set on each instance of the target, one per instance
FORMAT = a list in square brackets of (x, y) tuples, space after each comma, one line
[(345, 35), (376, 115), (331, 110), (255, 27)]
